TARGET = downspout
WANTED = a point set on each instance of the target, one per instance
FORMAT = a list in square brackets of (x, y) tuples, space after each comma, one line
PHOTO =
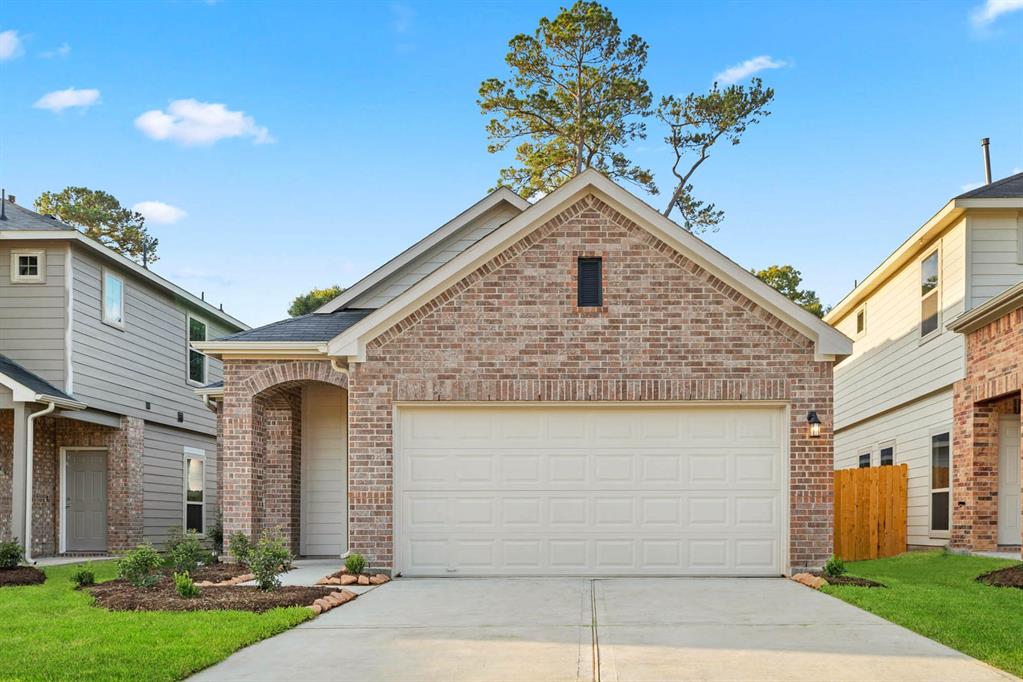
[(30, 448), (338, 368), (344, 370)]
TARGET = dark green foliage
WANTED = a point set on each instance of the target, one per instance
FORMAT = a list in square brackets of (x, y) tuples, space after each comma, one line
[(786, 279), (185, 586), (309, 302), (100, 216), (11, 553), (239, 547), (355, 563), (83, 576), (185, 552), (268, 558), (834, 567), (140, 566)]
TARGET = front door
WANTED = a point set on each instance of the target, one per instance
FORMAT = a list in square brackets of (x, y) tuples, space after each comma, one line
[(1009, 510), (86, 500)]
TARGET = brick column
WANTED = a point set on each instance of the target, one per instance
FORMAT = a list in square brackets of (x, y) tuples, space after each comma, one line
[(283, 427), (243, 456), (124, 485)]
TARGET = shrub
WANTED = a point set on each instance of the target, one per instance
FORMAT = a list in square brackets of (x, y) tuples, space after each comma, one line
[(240, 547), (355, 563), (11, 554), (834, 567), (185, 586), (185, 553), (83, 576), (267, 559), (216, 535), (139, 565)]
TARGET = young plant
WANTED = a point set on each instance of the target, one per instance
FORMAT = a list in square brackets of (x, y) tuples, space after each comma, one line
[(140, 566), (355, 563), (185, 586), (185, 553), (268, 558), (83, 576), (11, 553), (240, 547), (834, 567)]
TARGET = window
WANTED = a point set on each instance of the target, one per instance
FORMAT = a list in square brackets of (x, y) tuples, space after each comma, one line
[(888, 456), (28, 267), (940, 462), (865, 460), (929, 295), (590, 284), (861, 321), (196, 360), (113, 299), (195, 485)]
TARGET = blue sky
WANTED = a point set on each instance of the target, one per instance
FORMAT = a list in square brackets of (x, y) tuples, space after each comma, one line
[(312, 142)]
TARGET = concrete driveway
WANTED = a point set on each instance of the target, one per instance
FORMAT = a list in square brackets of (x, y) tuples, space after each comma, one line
[(615, 629)]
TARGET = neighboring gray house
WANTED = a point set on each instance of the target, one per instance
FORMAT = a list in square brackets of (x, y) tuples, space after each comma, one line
[(97, 384)]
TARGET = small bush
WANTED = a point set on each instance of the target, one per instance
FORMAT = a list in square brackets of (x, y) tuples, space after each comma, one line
[(216, 535), (140, 565), (83, 576), (267, 559), (185, 553), (11, 554), (834, 567), (355, 563), (185, 586), (240, 547)]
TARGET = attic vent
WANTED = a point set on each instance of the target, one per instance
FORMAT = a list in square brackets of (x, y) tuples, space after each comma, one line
[(590, 284)]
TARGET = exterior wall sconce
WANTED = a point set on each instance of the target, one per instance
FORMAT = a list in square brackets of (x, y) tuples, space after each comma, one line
[(815, 424)]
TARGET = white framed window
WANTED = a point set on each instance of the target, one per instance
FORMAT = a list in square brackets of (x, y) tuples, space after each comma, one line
[(930, 294), (194, 512), (941, 479), (113, 299), (864, 460), (28, 266), (196, 361), (886, 457)]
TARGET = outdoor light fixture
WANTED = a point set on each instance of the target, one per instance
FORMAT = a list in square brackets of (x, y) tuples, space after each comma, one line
[(815, 424)]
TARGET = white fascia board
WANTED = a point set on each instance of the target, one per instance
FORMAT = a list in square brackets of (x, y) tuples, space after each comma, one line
[(829, 341), (127, 263), (23, 394), (499, 195), (1009, 202), (262, 348)]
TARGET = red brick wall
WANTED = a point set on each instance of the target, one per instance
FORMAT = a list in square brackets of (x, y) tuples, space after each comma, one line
[(510, 331), (991, 387), (6, 471)]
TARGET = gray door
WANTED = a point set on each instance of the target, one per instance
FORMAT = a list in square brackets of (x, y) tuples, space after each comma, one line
[(86, 500)]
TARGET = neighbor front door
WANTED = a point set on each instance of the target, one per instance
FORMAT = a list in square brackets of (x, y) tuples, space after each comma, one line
[(1009, 512), (86, 500)]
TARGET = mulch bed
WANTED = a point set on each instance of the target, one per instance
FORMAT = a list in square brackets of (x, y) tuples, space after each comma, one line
[(1005, 577), (22, 575), (216, 573), (118, 595), (853, 580)]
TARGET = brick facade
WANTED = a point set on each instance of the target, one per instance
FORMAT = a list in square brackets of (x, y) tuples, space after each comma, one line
[(991, 387), (510, 331)]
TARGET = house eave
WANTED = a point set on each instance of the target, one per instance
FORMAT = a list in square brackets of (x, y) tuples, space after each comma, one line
[(261, 349), (997, 307)]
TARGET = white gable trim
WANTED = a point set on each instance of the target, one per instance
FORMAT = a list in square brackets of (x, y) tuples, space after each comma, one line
[(351, 343), (498, 196)]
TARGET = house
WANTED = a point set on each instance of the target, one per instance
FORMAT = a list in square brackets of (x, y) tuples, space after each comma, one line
[(101, 433), (930, 369), (574, 386)]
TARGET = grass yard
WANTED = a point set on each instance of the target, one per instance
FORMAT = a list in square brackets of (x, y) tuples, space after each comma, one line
[(51, 631), (936, 595)]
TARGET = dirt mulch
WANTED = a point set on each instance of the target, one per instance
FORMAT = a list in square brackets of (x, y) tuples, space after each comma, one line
[(1004, 577), (216, 573), (118, 595), (853, 580), (22, 575)]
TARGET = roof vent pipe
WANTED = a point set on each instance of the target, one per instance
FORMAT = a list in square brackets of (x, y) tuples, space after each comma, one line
[(3, 204), (986, 144)]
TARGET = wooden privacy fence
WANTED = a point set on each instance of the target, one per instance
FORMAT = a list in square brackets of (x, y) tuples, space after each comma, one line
[(870, 512)]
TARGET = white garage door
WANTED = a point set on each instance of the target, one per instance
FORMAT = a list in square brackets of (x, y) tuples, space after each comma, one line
[(612, 490)]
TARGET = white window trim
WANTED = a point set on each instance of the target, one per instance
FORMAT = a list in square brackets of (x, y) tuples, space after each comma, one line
[(103, 300), (869, 452), (936, 292), (17, 278), (941, 534), (895, 451), (192, 453), (189, 350)]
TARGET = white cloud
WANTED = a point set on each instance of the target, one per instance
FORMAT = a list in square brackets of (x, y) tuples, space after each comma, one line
[(992, 9), (60, 100), (749, 67), (62, 51), (10, 45), (159, 212), (190, 122)]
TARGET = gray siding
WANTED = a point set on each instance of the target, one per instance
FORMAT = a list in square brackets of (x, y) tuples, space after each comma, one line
[(164, 479), (33, 316), (119, 370), (996, 257)]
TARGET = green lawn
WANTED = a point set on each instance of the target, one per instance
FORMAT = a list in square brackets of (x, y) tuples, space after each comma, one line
[(51, 631), (935, 594)]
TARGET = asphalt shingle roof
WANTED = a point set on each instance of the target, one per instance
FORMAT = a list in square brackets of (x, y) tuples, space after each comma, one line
[(311, 327), (1006, 188), (21, 218), (30, 380)]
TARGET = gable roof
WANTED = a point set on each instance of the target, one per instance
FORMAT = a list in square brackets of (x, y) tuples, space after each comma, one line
[(351, 343), (312, 327), (1004, 193), (20, 218), (30, 387)]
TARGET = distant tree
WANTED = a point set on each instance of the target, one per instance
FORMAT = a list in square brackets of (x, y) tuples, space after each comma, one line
[(100, 216), (695, 124), (575, 98), (308, 302), (787, 279)]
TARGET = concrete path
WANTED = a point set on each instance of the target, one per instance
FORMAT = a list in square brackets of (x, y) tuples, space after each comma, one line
[(508, 630)]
